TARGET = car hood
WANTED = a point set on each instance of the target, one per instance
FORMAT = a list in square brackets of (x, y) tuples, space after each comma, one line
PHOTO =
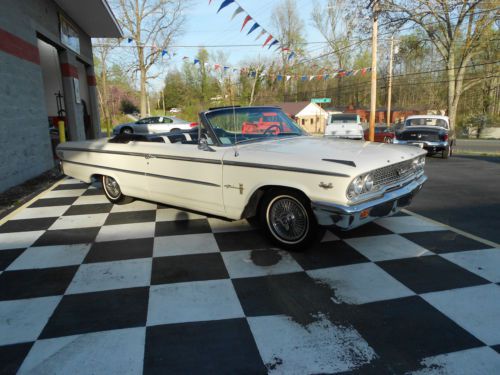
[(323, 153)]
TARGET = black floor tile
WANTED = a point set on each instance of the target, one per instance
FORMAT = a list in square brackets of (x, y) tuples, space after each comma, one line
[(25, 225), (35, 282), (98, 311), (12, 356), (496, 348), (183, 268), (294, 294), (120, 250), (406, 330), (8, 256), (88, 192), (67, 236), (244, 240), (370, 229), (444, 241), (430, 274), (73, 186), (130, 217), (86, 209), (214, 347), (179, 227), (48, 202), (328, 254)]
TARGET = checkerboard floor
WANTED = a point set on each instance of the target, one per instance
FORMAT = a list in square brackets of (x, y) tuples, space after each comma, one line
[(91, 287)]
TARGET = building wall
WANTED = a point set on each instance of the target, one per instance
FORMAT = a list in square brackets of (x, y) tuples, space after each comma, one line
[(25, 147)]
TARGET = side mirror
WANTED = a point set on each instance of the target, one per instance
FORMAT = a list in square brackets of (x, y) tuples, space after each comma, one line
[(203, 144)]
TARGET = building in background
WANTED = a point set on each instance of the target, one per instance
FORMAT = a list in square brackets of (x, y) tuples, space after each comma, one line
[(308, 115), (46, 74)]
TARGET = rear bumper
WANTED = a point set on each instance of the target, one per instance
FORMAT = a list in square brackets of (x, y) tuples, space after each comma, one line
[(429, 146), (349, 217)]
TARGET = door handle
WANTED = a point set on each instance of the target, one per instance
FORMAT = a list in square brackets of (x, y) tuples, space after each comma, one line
[(149, 156)]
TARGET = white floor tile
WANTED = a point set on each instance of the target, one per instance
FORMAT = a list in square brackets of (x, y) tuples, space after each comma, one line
[(50, 256), (477, 361), (360, 283), (64, 193), (319, 347), (38, 212), (219, 225), (408, 224), (186, 244), (476, 309), (193, 301), (485, 263), (126, 231), (18, 240), (79, 221), (172, 214), (387, 247), (70, 181), (91, 199), (136, 205), (23, 320), (252, 263), (109, 352), (121, 274)]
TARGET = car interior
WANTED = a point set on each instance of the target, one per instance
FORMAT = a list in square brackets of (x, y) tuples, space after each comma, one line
[(184, 137)]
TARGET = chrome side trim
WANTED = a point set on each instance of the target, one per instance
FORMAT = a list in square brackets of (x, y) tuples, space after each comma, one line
[(140, 154), (280, 168), (145, 174)]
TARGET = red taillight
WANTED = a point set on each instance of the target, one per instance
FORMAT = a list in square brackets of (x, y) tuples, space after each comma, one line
[(444, 137), (193, 124)]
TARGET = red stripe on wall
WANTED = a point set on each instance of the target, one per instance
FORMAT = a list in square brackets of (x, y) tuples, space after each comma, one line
[(18, 47), (69, 70), (91, 81)]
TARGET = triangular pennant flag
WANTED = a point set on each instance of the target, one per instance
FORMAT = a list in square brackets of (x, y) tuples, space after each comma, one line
[(326, 76), (216, 66), (185, 58), (196, 61), (261, 33), (236, 12), (279, 77), (224, 4), (363, 71), (263, 74), (163, 53), (268, 40), (247, 18), (355, 72), (129, 40), (303, 78), (225, 68), (319, 77), (291, 55), (288, 78), (285, 49), (253, 74), (311, 78), (254, 27), (334, 74), (273, 43)]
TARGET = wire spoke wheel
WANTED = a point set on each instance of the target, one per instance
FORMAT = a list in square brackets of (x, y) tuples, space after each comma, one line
[(288, 219), (112, 187)]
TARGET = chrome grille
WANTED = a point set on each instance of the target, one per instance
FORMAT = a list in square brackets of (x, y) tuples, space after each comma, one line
[(392, 174)]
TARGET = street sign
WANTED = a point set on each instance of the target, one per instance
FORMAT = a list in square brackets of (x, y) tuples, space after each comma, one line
[(321, 100)]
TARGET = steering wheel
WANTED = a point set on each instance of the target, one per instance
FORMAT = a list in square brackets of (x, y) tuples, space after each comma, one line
[(268, 130)]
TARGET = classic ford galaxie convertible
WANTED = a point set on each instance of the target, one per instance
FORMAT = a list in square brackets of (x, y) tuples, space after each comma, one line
[(293, 183)]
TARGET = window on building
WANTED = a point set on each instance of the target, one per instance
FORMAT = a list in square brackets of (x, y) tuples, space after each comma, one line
[(303, 122)]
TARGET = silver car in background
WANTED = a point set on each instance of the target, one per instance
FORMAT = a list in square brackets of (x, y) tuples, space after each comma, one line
[(344, 125), (154, 125)]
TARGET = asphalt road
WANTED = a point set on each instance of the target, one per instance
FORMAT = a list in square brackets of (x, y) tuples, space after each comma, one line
[(463, 192), (478, 145)]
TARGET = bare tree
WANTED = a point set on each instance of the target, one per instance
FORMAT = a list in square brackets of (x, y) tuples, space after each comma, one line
[(152, 25), (456, 28)]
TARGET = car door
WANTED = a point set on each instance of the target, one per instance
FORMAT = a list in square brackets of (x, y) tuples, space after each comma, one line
[(161, 125), (183, 175), (141, 126)]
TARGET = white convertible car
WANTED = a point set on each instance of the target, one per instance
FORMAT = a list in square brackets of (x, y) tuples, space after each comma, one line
[(239, 164)]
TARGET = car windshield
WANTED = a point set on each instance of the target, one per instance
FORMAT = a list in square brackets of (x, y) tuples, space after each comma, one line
[(427, 121), (237, 125), (343, 118)]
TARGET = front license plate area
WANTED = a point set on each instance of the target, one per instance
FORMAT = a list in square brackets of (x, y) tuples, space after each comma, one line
[(417, 144)]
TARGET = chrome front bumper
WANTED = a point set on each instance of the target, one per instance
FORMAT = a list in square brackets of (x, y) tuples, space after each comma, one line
[(349, 217), (429, 146)]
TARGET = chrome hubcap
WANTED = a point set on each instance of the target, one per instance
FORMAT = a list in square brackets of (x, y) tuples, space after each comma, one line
[(288, 219), (112, 187)]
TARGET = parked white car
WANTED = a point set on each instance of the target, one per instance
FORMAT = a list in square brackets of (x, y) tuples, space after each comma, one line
[(294, 183), (344, 125), (154, 125)]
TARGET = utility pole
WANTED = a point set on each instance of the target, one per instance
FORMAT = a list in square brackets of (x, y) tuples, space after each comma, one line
[(389, 89), (163, 102), (373, 93)]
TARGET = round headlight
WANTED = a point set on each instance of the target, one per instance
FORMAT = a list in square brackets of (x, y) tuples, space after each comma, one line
[(358, 185), (368, 182), (421, 161), (415, 163)]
